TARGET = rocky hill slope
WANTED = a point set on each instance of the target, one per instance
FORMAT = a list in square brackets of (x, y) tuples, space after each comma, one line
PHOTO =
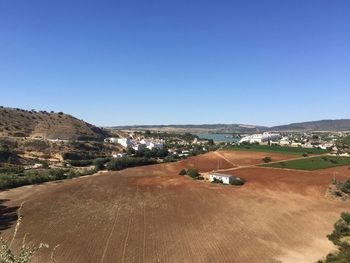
[(46, 125)]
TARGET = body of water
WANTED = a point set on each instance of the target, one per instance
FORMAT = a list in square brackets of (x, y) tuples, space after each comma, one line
[(218, 137)]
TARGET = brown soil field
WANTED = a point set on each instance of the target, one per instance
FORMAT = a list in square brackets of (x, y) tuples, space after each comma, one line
[(151, 214), (251, 158)]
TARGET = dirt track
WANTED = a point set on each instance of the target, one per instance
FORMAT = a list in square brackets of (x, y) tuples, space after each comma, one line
[(151, 214)]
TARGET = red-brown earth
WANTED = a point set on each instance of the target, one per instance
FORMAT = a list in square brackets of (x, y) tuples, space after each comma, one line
[(151, 214)]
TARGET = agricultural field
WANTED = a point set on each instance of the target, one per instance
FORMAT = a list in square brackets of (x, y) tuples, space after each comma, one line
[(313, 163), (151, 214), (276, 149)]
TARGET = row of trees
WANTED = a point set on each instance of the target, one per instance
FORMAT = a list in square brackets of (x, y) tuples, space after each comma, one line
[(126, 162)]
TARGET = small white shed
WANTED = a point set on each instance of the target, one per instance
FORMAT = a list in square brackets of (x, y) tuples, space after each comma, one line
[(225, 178)]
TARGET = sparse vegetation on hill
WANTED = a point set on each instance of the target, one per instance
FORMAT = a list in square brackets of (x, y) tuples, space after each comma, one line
[(46, 125), (43, 149), (313, 163), (340, 189), (15, 176)]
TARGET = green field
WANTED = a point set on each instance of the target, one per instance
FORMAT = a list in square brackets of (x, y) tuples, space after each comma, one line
[(313, 163), (276, 149)]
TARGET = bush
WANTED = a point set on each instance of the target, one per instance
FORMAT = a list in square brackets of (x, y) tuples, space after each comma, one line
[(193, 172), (80, 163), (183, 172), (340, 238), (12, 169), (100, 163), (305, 155), (238, 181), (267, 159), (217, 181)]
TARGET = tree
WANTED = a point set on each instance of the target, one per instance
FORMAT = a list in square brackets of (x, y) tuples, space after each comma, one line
[(46, 165), (193, 172), (267, 159), (341, 238), (183, 172)]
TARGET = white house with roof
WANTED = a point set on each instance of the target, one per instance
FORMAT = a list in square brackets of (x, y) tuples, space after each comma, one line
[(150, 144), (225, 178), (259, 138), (125, 142)]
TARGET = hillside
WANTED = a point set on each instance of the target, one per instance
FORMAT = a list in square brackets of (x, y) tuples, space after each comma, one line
[(46, 125), (322, 125)]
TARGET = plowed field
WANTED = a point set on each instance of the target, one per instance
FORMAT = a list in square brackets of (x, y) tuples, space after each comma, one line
[(151, 214)]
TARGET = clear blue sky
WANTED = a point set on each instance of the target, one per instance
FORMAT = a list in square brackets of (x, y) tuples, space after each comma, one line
[(182, 61)]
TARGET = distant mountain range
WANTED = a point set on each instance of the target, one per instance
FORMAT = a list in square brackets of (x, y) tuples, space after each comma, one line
[(322, 125)]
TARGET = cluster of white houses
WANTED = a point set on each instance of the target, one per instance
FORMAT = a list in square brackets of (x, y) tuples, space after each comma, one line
[(137, 144), (277, 139), (260, 138)]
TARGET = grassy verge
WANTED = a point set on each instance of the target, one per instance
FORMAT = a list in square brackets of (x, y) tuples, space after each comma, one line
[(313, 163), (276, 149)]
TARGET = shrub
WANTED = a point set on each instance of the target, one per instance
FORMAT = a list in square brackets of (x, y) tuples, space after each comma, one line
[(193, 172), (267, 159), (344, 187), (100, 163), (80, 163), (217, 181), (340, 238), (183, 172), (12, 169), (26, 253), (45, 165), (305, 155), (238, 181)]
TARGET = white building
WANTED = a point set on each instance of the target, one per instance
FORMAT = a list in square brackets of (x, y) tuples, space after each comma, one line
[(259, 138), (125, 142), (225, 178), (150, 144), (118, 155)]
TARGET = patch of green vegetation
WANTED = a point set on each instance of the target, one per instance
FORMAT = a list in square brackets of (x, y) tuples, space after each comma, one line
[(341, 238), (313, 163), (183, 172), (276, 149), (238, 181), (11, 177), (193, 173), (267, 159)]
